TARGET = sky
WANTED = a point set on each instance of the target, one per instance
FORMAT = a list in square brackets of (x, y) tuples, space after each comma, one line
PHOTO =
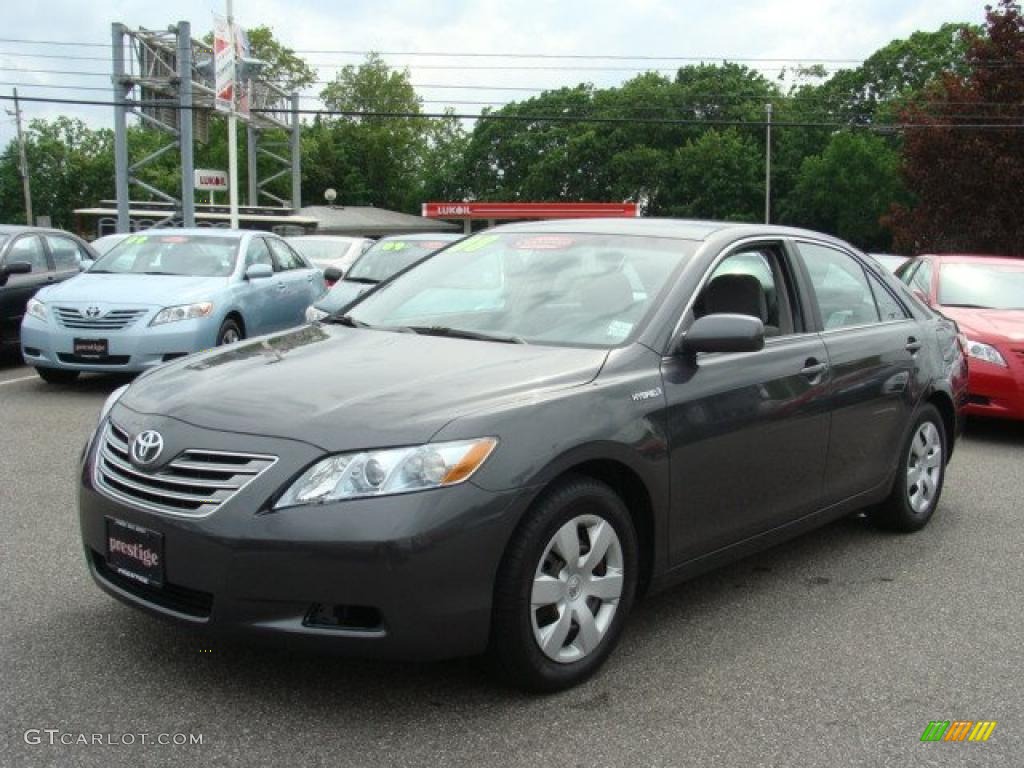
[(793, 31)]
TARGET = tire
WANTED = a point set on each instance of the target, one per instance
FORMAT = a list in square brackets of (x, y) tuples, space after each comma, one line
[(230, 332), (57, 375), (920, 477), (566, 595)]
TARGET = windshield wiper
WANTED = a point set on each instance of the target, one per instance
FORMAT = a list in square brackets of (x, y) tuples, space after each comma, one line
[(458, 333), (158, 272), (364, 280), (968, 306), (345, 320), (101, 271)]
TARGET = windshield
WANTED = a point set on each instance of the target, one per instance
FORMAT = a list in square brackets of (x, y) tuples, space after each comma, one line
[(386, 257), (198, 255), (321, 251), (578, 290), (989, 286)]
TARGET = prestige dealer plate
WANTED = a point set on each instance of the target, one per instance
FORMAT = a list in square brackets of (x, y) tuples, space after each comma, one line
[(135, 552)]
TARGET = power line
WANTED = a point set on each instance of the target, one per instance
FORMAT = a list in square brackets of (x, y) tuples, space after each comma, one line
[(561, 118)]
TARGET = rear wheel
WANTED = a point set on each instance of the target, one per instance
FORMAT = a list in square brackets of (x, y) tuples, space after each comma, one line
[(565, 587), (56, 375), (918, 486), (230, 332)]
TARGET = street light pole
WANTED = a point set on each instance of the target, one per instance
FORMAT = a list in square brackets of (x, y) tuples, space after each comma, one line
[(768, 165), (232, 128), (26, 186)]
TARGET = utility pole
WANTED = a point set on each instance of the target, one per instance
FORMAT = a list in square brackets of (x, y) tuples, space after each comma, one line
[(233, 127), (768, 165), (23, 163)]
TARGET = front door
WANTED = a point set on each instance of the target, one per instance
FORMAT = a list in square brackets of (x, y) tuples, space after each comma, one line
[(748, 431)]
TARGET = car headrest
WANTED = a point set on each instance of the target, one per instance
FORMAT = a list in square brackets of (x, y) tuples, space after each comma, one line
[(736, 294), (607, 293)]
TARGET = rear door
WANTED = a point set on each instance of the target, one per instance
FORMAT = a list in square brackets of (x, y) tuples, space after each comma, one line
[(20, 288), (873, 346), (303, 283), (748, 431)]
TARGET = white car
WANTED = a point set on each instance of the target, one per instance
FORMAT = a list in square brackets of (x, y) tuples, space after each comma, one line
[(325, 251)]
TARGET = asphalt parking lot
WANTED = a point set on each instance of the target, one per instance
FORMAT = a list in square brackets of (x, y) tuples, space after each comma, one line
[(836, 649)]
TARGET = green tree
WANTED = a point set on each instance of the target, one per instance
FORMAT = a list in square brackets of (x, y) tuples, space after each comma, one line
[(70, 164), (848, 188), (719, 175)]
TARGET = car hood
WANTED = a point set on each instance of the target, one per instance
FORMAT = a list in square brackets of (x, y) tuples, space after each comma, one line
[(988, 324), (146, 290), (341, 295), (346, 389)]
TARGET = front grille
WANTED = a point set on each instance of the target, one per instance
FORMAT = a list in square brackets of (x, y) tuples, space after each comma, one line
[(106, 360), (190, 602), (114, 320), (194, 484)]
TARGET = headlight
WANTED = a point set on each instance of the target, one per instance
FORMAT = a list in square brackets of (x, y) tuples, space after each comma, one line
[(183, 312), (314, 315), (986, 352), (383, 473), (36, 309), (109, 403)]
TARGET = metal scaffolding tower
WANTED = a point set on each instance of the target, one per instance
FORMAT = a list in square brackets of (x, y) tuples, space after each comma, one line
[(149, 70)]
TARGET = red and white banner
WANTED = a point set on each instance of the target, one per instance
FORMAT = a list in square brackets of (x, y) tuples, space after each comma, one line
[(223, 65), (509, 211), (228, 48)]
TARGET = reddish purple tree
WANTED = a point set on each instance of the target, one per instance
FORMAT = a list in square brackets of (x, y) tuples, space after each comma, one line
[(963, 154)]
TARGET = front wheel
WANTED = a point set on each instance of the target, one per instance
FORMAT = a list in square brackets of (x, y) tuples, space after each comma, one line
[(920, 477), (56, 375), (565, 587), (230, 332)]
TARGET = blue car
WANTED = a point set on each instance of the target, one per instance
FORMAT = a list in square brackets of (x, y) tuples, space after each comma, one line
[(163, 294)]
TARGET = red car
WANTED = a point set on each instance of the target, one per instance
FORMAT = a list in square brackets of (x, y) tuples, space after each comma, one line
[(985, 296)]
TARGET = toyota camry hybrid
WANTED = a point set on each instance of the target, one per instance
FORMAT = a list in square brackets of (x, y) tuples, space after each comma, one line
[(636, 402)]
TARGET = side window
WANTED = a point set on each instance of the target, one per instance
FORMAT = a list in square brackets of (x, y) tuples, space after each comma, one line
[(29, 249), (840, 286), (750, 283), (922, 279), (286, 257), (257, 253), (67, 254), (888, 307)]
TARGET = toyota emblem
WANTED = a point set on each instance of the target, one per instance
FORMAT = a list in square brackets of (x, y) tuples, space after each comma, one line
[(92, 312), (147, 446)]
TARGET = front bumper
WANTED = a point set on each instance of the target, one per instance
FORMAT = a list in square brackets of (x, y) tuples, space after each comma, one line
[(996, 391), (136, 348), (423, 563)]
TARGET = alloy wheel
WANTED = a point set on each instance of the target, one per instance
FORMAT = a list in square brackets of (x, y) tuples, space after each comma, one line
[(576, 588), (924, 467)]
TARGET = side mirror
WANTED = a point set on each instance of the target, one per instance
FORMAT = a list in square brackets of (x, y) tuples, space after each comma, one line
[(723, 333), (16, 268), (333, 274), (258, 271), (85, 265)]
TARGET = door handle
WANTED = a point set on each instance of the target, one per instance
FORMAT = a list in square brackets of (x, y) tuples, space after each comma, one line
[(913, 345), (813, 369)]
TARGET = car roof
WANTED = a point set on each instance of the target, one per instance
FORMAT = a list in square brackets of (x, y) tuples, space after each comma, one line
[(681, 229), (974, 257), (15, 229), (435, 236), (201, 232)]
